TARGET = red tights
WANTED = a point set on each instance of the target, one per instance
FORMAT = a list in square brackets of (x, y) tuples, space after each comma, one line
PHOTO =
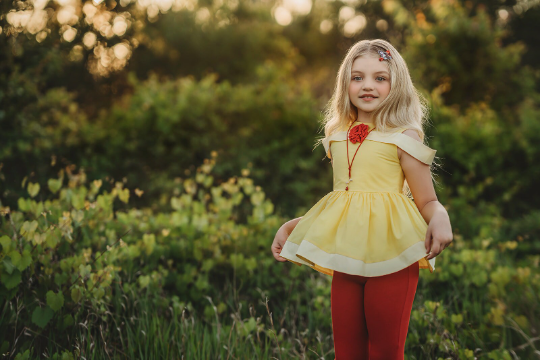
[(370, 315)]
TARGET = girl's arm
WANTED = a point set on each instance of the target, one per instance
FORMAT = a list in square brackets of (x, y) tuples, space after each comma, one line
[(281, 237), (418, 175), (290, 225)]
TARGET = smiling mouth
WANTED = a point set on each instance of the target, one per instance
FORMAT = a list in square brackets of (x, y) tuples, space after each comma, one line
[(368, 97)]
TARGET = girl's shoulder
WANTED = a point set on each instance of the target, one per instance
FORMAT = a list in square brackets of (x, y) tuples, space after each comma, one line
[(407, 140)]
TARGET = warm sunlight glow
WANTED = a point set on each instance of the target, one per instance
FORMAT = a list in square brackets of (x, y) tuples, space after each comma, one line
[(37, 22), (121, 51), (301, 7), (164, 5), (346, 13), (69, 33), (152, 11), (283, 16), (326, 26), (42, 35), (382, 25), (89, 40), (202, 15), (19, 18), (355, 25), (119, 25), (66, 15)]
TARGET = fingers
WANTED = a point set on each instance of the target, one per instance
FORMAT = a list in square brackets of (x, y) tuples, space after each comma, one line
[(282, 259), (279, 258), (276, 250), (427, 241), (436, 249)]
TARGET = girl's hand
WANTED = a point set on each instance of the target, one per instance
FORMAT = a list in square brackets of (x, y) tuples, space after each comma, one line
[(439, 234), (279, 243)]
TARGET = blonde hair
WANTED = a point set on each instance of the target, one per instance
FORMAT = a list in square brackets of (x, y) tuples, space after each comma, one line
[(404, 107)]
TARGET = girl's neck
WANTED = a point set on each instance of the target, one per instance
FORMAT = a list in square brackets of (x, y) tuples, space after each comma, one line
[(364, 117)]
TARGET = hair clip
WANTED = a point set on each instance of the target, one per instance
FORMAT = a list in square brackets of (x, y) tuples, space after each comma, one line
[(384, 55)]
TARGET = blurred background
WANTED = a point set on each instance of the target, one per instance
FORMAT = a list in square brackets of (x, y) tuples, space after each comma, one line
[(142, 95)]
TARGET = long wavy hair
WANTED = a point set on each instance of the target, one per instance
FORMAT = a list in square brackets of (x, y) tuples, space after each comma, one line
[(404, 107)]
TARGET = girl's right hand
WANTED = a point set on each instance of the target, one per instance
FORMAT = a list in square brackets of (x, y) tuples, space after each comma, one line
[(279, 243)]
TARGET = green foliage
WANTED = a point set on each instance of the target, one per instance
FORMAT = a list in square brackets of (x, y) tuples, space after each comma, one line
[(459, 51), (67, 250), (41, 316), (213, 236)]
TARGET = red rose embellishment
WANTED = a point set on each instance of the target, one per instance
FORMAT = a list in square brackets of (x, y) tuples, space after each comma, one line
[(358, 133)]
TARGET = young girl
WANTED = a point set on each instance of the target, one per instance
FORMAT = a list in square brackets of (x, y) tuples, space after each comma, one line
[(367, 233)]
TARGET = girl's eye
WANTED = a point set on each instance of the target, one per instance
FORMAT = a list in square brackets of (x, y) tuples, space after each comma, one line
[(380, 78)]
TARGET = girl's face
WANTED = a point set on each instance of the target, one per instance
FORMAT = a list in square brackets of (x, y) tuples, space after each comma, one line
[(370, 83)]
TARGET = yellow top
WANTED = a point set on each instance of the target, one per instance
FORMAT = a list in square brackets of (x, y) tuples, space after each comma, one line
[(373, 229)]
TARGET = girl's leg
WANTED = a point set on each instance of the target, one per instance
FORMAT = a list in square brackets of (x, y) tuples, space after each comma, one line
[(348, 319), (388, 304)]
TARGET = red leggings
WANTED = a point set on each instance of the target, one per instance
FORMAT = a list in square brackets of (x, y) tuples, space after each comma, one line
[(370, 315)]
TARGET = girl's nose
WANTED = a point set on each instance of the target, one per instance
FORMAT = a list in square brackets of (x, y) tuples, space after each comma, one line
[(367, 86)]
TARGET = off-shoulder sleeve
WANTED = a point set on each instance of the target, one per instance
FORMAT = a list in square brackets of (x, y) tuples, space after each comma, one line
[(326, 145), (411, 146), (338, 136)]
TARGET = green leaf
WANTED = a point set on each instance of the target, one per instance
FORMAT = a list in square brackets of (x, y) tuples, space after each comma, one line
[(33, 189), (176, 203), (76, 294), (39, 238), (29, 227), (55, 301), (66, 355), (25, 260), (5, 347), (61, 278), (84, 270), (41, 316), (23, 204), (37, 208), (6, 243), (23, 356), (52, 240), (54, 185), (77, 215), (8, 265), (11, 280), (144, 281), (98, 292), (68, 320), (77, 201), (15, 257), (123, 195)]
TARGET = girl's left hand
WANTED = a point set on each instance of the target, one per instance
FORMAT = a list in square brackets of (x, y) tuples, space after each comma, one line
[(438, 235)]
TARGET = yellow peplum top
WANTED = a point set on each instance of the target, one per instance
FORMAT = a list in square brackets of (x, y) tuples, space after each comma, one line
[(373, 229)]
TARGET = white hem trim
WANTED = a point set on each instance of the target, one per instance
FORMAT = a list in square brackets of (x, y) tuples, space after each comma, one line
[(345, 264)]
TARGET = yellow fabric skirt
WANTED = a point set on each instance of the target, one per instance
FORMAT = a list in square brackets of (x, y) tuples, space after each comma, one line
[(360, 233)]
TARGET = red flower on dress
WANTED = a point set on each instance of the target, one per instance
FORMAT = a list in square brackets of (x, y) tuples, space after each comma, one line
[(358, 133)]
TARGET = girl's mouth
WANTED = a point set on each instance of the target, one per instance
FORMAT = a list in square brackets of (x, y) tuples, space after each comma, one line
[(368, 98)]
